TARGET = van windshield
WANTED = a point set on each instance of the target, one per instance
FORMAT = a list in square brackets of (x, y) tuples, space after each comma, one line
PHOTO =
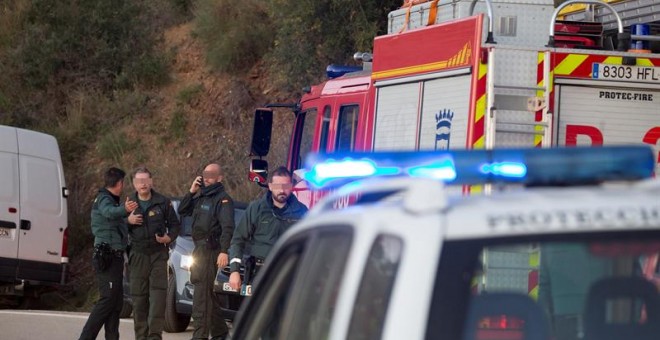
[(581, 287)]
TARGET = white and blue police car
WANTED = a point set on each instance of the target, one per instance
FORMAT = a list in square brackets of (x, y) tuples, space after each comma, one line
[(566, 246)]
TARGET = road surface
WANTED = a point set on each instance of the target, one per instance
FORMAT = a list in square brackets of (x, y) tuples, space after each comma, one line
[(51, 325)]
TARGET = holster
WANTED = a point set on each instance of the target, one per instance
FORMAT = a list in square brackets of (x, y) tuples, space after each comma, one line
[(102, 257)]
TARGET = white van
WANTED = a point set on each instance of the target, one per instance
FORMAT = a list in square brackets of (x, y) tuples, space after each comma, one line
[(33, 210)]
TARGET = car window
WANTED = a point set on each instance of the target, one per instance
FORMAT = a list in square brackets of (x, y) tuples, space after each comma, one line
[(318, 289), (375, 289), (581, 287), (301, 288), (347, 128), (263, 315)]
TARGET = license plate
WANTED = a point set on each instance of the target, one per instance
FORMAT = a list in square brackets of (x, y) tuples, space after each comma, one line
[(4, 232), (227, 288), (640, 74)]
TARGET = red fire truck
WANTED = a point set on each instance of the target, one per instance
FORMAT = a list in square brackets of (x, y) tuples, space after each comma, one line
[(457, 74)]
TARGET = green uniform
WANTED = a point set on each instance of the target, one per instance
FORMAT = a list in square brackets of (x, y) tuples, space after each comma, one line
[(108, 226), (147, 262), (261, 226), (107, 220), (212, 227)]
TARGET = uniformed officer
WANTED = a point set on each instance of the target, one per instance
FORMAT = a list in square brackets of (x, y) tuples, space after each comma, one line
[(110, 240), (212, 210), (151, 227), (265, 220)]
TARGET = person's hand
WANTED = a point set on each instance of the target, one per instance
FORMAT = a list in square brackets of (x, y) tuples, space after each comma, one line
[(235, 280), (223, 260), (165, 239), (134, 218), (130, 205), (196, 184)]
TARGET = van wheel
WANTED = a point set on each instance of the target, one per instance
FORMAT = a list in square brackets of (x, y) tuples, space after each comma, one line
[(126, 310), (174, 322)]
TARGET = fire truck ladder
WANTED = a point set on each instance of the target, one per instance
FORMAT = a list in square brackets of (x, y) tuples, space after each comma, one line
[(499, 99)]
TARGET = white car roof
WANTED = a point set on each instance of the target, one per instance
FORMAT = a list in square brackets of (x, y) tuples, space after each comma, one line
[(544, 210)]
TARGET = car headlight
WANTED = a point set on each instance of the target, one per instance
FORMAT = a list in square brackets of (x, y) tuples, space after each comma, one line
[(186, 262)]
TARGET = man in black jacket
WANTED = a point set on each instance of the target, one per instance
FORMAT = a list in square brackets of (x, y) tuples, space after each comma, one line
[(212, 210), (151, 227)]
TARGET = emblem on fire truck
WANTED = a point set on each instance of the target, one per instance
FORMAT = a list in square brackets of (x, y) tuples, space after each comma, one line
[(443, 129)]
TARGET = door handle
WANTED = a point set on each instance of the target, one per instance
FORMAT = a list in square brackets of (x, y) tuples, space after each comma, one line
[(26, 225), (7, 224)]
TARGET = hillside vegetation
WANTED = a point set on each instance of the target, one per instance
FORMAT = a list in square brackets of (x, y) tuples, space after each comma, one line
[(170, 84)]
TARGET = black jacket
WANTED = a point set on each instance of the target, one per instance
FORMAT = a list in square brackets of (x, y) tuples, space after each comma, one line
[(212, 210)]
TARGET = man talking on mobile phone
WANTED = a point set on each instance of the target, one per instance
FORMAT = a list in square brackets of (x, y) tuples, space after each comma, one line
[(212, 211)]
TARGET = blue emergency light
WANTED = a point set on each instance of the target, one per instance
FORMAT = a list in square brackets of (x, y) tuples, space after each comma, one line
[(557, 166)]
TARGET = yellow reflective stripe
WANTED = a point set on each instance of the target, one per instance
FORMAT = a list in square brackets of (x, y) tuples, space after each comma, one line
[(613, 60), (479, 144), (481, 101), (534, 259), (644, 62), (569, 64), (483, 68), (534, 293), (540, 59)]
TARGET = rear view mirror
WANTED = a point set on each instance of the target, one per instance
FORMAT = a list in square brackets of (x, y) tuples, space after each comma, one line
[(261, 132), (258, 172)]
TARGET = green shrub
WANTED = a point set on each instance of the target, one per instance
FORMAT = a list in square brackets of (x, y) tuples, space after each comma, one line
[(236, 35), (114, 145), (183, 7), (312, 34), (187, 94), (177, 128), (12, 16), (88, 43)]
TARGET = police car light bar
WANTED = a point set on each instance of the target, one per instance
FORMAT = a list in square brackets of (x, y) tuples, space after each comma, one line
[(558, 166)]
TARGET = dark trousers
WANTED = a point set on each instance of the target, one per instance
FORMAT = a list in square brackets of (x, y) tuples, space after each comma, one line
[(148, 285), (206, 313), (107, 308)]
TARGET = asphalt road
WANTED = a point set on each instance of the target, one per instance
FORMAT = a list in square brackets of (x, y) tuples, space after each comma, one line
[(34, 324)]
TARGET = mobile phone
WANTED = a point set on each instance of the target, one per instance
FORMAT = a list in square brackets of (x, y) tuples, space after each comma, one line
[(200, 182)]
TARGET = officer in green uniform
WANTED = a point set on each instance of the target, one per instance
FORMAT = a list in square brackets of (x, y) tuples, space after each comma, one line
[(110, 240), (212, 211), (151, 227), (265, 220)]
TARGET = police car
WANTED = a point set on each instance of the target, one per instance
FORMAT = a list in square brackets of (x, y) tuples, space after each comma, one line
[(567, 249)]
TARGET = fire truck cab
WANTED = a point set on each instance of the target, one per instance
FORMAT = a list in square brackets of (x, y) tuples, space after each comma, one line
[(463, 74), (568, 257)]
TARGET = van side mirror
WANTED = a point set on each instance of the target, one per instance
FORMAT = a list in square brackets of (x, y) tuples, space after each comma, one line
[(259, 172), (261, 132)]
